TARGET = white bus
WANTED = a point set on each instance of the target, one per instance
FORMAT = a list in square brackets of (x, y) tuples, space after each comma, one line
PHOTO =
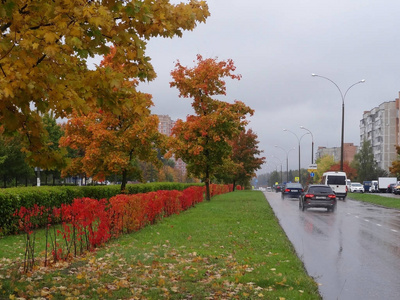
[(337, 181)]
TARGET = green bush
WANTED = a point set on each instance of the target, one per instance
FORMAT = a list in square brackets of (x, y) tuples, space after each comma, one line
[(53, 196)]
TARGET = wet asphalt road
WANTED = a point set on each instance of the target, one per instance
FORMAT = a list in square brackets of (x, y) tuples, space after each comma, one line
[(353, 253)]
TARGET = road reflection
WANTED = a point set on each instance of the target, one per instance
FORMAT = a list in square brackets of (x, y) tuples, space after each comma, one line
[(353, 253)]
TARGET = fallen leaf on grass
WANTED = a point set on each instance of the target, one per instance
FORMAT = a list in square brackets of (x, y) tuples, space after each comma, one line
[(175, 289)]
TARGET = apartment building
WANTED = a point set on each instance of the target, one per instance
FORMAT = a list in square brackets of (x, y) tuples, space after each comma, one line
[(165, 126), (380, 126), (349, 150)]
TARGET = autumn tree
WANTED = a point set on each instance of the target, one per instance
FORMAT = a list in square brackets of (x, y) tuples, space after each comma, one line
[(112, 145), (203, 140), (116, 141), (245, 158), (324, 164), (351, 173), (395, 168), (44, 52)]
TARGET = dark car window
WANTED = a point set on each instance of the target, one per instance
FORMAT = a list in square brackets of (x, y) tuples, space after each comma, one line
[(320, 190), (294, 185), (336, 179)]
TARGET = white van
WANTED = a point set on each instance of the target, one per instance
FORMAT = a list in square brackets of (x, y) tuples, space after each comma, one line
[(337, 181)]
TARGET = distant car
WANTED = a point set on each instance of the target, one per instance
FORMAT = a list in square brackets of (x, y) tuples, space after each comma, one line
[(396, 189), (292, 190), (269, 189), (356, 187), (374, 186), (318, 195), (367, 186), (390, 188)]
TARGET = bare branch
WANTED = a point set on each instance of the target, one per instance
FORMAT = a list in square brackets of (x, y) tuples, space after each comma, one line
[(3, 71)]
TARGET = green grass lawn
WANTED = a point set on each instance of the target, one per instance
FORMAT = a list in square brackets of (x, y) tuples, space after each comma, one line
[(376, 199), (229, 248)]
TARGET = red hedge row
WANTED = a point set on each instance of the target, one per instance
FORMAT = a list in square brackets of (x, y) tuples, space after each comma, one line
[(88, 223)]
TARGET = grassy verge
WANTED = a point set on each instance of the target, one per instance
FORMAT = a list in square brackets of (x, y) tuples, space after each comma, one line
[(231, 247), (376, 199)]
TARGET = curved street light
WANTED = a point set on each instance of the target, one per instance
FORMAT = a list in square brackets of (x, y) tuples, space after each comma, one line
[(287, 160), (299, 140), (312, 144), (343, 97)]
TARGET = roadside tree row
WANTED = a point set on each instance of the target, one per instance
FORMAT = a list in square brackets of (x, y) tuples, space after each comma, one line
[(44, 52)]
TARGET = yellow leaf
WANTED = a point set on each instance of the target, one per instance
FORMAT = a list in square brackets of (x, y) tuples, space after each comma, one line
[(50, 50), (50, 37), (96, 21), (45, 292), (8, 92), (161, 282)]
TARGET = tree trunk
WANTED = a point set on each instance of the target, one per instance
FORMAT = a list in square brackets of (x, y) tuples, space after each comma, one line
[(124, 180), (234, 185), (208, 194)]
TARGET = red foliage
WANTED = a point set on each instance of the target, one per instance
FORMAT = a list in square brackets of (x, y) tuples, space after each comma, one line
[(30, 218), (87, 223), (350, 172)]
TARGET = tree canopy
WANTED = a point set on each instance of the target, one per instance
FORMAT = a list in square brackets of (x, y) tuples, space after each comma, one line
[(203, 141), (114, 141), (395, 168), (44, 52), (245, 159), (365, 163)]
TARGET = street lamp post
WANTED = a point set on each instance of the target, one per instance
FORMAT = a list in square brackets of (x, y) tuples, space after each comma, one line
[(343, 97), (299, 140), (276, 169), (312, 144), (280, 163), (287, 160)]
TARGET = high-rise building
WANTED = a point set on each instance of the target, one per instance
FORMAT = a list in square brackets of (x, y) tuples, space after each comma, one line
[(380, 126), (165, 126)]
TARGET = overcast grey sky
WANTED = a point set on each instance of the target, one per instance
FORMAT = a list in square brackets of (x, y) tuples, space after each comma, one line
[(276, 45)]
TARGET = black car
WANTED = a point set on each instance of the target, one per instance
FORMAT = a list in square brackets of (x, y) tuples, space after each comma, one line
[(390, 188), (278, 188), (292, 190), (318, 195)]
